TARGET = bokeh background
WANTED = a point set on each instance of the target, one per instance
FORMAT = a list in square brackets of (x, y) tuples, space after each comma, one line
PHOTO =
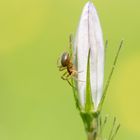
[(35, 104)]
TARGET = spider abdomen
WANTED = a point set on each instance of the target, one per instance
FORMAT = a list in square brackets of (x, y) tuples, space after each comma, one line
[(65, 59)]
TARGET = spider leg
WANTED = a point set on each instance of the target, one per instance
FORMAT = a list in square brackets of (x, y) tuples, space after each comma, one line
[(67, 77), (62, 77), (73, 75), (76, 72), (61, 68), (75, 78)]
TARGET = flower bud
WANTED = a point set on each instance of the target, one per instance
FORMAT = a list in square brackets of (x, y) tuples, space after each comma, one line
[(89, 58)]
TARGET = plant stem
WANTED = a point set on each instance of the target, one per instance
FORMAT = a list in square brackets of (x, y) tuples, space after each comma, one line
[(90, 136), (93, 133)]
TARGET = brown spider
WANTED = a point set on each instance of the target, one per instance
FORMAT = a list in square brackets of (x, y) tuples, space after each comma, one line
[(66, 64)]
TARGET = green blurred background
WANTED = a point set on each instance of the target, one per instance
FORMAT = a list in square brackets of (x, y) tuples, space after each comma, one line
[(35, 104)]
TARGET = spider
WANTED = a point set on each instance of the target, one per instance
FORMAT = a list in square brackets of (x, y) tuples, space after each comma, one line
[(66, 64)]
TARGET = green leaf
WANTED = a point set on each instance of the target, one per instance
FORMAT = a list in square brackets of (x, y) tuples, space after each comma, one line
[(110, 76), (89, 103)]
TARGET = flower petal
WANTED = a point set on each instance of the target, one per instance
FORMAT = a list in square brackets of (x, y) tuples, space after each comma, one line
[(89, 36), (97, 56), (81, 48)]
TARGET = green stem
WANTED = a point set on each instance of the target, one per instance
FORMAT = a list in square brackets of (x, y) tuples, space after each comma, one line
[(90, 136), (92, 133)]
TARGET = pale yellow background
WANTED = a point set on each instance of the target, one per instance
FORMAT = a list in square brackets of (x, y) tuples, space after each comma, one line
[(35, 104)]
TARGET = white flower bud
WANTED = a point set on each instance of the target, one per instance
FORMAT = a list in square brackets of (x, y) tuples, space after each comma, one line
[(89, 37)]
